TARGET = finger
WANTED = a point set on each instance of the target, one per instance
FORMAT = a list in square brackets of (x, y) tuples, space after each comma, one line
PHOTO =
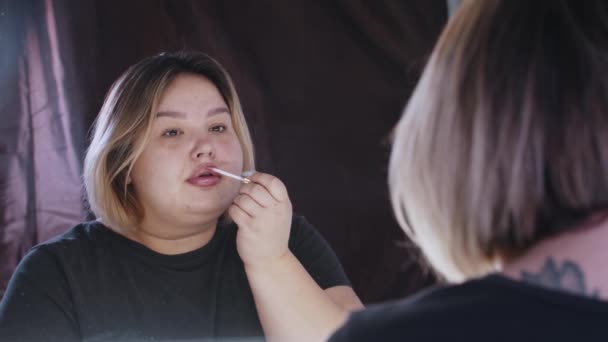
[(273, 185), (258, 193), (237, 214), (247, 204)]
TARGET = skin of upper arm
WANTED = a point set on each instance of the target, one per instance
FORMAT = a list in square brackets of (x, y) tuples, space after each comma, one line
[(345, 297)]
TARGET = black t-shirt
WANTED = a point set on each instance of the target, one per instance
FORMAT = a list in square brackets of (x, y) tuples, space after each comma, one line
[(493, 308), (93, 284)]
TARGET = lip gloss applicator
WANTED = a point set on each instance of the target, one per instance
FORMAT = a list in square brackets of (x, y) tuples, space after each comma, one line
[(228, 174)]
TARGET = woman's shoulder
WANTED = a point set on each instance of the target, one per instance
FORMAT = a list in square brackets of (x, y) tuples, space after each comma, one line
[(428, 313), (436, 301), (85, 231), (304, 237), (301, 227), (85, 234), (392, 321), (55, 254), (474, 310)]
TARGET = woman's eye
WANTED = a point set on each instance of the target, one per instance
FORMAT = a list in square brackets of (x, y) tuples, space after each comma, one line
[(218, 128), (172, 133)]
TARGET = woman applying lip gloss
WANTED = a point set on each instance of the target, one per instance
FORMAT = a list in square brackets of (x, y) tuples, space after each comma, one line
[(179, 250)]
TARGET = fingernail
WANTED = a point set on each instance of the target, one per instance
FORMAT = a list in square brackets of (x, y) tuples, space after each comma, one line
[(247, 173)]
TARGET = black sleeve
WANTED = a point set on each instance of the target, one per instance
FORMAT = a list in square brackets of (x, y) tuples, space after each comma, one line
[(361, 326), (315, 254), (342, 334), (37, 305), (354, 329)]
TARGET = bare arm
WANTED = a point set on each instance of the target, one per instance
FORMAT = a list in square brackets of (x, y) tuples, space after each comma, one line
[(290, 304), (292, 307)]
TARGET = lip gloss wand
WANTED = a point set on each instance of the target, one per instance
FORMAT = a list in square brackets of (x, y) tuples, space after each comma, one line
[(228, 174)]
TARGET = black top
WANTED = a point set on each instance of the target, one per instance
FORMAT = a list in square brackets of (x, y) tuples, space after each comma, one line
[(93, 284), (493, 308)]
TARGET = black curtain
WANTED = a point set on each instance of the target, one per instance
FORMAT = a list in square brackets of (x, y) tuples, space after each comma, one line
[(322, 83)]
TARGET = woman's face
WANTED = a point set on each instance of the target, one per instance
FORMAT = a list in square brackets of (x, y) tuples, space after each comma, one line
[(192, 131)]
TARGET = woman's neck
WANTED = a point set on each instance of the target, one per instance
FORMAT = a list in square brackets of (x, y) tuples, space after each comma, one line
[(171, 239), (573, 262)]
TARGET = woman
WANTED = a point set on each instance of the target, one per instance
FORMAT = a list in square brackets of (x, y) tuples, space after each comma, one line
[(499, 173), (178, 252)]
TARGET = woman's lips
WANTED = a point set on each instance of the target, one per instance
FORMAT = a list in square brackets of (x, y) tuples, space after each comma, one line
[(205, 181)]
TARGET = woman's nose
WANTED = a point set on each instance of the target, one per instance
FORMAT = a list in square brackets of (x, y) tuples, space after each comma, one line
[(203, 148)]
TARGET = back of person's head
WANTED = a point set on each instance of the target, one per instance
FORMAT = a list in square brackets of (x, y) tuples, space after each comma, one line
[(505, 139), (123, 126)]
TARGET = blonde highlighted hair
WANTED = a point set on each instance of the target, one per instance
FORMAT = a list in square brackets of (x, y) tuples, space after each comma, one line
[(504, 141), (123, 125)]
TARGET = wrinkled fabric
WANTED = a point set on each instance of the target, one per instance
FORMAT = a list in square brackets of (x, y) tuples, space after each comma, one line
[(40, 191)]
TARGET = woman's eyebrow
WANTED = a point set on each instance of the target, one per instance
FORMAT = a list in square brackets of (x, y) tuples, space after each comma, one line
[(218, 110), (182, 115), (171, 114)]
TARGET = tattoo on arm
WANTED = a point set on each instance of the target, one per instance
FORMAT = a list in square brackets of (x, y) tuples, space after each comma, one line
[(567, 277)]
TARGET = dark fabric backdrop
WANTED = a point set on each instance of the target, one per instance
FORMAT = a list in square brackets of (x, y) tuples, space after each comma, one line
[(322, 83)]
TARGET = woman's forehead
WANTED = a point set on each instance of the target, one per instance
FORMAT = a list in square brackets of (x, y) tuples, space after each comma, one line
[(188, 89)]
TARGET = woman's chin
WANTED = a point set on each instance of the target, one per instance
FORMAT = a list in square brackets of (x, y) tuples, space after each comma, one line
[(205, 212)]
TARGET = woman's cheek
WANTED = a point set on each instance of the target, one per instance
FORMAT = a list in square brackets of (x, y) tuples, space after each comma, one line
[(230, 149)]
